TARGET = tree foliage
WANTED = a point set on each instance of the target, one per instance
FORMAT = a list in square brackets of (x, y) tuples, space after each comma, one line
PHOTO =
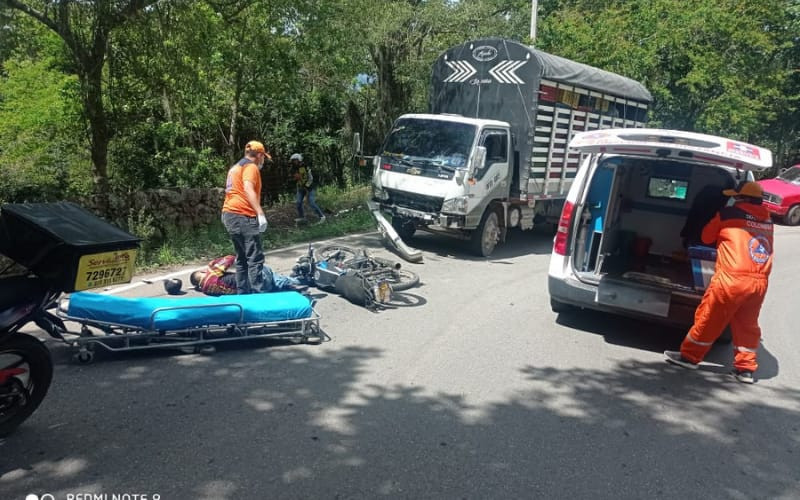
[(165, 93)]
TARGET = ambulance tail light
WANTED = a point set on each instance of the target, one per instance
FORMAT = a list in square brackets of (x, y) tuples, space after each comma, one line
[(562, 233)]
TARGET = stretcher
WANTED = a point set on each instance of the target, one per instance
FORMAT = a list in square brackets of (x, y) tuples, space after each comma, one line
[(126, 324)]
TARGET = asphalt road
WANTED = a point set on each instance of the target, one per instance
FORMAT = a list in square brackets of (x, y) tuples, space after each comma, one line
[(472, 388)]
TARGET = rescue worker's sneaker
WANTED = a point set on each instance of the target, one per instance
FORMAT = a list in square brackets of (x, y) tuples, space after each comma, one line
[(744, 376), (675, 358), (322, 220)]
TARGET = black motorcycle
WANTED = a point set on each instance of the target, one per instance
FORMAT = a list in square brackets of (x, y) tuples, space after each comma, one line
[(54, 248)]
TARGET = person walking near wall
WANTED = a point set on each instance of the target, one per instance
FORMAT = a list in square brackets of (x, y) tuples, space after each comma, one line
[(244, 218), (306, 186), (744, 236)]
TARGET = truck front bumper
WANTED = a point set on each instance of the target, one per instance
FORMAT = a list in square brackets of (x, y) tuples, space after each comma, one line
[(427, 219)]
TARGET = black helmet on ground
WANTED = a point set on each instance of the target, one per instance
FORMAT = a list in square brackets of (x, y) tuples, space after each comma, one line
[(173, 286)]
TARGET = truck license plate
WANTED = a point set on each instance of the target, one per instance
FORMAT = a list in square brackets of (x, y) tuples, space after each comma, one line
[(104, 269), (634, 297)]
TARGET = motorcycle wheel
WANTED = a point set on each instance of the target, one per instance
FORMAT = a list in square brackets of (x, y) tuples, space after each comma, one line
[(26, 352), (338, 254), (401, 279)]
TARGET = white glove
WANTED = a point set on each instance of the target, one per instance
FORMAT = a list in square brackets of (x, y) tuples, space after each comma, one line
[(262, 223)]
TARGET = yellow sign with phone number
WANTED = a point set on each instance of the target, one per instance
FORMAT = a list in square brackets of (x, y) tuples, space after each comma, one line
[(104, 269)]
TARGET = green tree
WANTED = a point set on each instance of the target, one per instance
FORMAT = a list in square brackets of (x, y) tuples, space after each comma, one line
[(715, 66), (42, 153), (85, 28)]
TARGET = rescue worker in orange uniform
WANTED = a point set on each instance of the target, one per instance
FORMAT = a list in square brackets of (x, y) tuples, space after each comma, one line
[(244, 218), (743, 233)]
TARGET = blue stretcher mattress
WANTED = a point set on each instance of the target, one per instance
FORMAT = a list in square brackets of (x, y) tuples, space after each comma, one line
[(193, 312)]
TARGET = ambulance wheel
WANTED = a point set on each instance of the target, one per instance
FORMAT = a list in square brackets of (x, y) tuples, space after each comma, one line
[(792, 217), (485, 238)]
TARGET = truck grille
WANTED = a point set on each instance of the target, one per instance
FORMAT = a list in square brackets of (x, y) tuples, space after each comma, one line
[(419, 202), (772, 198)]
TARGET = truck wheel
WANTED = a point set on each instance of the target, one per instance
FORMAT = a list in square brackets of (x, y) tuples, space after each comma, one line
[(485, 238), (792, 217), (404, 227)]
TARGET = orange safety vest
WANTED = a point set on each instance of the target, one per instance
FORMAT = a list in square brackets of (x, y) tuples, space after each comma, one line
[(744, 235), (235, 197)]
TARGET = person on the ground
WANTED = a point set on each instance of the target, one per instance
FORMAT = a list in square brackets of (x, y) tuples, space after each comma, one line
[(217, 279), (744, 236), (306, 187), (244, 218)]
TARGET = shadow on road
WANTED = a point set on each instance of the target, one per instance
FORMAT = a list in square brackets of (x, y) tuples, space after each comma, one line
[(649, 336), (293, 422), (538, 241)]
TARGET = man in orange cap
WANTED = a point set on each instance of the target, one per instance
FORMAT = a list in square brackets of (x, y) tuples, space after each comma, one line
[(244, 218), (743, 233)]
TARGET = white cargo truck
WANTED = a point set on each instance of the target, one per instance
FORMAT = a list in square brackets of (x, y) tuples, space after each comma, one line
[(492, 154)]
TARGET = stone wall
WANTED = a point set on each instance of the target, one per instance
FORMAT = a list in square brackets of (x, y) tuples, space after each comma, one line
[(181, 208)]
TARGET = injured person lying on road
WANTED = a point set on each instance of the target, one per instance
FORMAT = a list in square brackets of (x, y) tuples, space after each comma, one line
[(219, 278)]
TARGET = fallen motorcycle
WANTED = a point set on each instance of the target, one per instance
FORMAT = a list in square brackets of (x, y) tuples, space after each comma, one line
[(57, 248), (353, 273)]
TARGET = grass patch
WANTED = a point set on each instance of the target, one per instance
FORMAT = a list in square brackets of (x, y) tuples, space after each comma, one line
[(347, 210)]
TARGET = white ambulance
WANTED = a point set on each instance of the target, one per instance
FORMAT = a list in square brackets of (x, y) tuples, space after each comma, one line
[(628, 240)]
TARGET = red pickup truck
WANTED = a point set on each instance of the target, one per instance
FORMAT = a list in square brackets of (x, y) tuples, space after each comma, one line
[(782, 195)]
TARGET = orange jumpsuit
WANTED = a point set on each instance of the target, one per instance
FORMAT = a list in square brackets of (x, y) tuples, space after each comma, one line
[(743, 233)]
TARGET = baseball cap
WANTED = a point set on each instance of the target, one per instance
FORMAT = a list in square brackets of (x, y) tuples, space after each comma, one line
[(751, 189), (256, 147), (296, 156)]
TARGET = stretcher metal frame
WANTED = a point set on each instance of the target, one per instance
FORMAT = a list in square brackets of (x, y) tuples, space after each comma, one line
[(119, 337)]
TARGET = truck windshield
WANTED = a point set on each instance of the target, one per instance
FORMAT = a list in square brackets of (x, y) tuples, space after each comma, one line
[(431, 143), (791, 175)]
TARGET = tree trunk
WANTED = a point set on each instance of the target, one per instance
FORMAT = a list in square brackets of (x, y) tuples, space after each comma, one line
[(99, 132), (391, 94), (233, 131)]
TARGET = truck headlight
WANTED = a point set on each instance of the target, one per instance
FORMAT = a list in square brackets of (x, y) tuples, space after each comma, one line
[(457, 205), (379, 193)]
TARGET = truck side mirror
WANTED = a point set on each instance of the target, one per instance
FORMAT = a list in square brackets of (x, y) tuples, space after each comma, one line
[(478, 161)]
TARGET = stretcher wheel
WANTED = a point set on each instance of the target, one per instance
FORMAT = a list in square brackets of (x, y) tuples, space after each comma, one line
[(313, 339), (84, 356)]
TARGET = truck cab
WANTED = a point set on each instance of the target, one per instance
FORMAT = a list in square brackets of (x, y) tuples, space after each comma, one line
[(441, 172)]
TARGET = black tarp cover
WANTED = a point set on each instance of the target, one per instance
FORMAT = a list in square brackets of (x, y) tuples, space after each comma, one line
[(50, 239), (582, 75), (66, 223)]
